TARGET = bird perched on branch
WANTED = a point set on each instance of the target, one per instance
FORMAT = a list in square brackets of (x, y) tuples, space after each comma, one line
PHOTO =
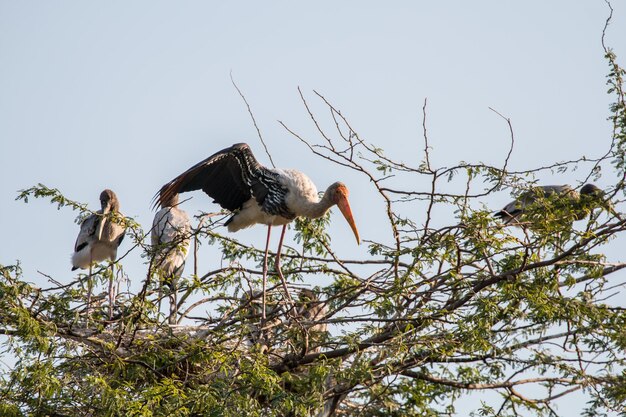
[(258, 195), (170, 236), (311, 312), (98, 240), (581, 204)]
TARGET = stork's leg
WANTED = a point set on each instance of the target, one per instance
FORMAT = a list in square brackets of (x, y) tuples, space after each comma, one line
[(277, 265), (89, 283), (173, 301), (111, 293), (267, 245), (160, 292)]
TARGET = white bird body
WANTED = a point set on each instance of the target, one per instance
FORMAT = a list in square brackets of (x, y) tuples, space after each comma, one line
[(170, 236), (301, 197), (94, 251), (171, 226), (90, 248)]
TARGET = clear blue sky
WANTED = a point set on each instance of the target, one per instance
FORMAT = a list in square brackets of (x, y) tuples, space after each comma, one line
[(126, 95)]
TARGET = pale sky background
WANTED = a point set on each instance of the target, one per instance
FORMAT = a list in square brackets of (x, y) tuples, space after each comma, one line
[(127, 95)]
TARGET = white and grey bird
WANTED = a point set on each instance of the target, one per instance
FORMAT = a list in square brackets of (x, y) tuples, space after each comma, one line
[(258, 195), (582, 203), (98, 240), (311, 313), (170, 238)]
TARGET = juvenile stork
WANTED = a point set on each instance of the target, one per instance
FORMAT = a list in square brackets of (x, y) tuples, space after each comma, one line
[(98, 240), (311, 311), (582, 203), (170, 238), (257, 194)]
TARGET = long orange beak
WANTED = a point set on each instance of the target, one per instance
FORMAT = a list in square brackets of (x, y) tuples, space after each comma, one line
[(344, 206)]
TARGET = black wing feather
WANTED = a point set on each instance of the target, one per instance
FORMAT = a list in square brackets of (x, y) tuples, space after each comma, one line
[(87, 231), (231, 177), (119, 240)]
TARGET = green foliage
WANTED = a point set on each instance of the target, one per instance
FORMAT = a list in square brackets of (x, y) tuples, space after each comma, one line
[(447, 303)]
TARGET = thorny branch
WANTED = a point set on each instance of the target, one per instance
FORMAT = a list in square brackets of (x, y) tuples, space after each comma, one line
[(439, 305)]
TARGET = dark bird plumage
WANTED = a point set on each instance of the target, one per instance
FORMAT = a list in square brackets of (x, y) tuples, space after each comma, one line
[(589, 197), (254, 193), (258, 195)]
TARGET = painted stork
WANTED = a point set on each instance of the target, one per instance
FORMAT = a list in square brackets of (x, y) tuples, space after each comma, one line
[(98, 240), (170, 238), (257, 194), (582, 203), (311, 310)]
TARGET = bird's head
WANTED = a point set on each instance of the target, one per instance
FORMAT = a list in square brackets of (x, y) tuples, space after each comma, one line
[(592, 197), (595, 197), (591, 190), (108, 202), (339, 195)]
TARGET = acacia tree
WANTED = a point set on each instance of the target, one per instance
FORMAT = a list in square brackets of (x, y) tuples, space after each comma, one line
[(445, 305)]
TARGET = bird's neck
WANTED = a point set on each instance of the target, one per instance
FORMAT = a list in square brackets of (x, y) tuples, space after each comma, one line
[(316, 209), (112, 207)]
